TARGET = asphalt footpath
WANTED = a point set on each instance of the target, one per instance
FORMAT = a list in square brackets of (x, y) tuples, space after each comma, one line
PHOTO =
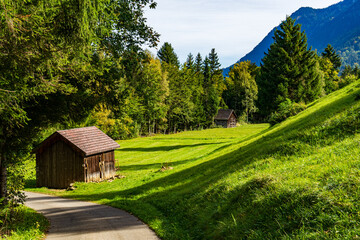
[(72, 219)]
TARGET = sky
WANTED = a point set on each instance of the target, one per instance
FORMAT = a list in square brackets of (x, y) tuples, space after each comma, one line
[(232, 27)]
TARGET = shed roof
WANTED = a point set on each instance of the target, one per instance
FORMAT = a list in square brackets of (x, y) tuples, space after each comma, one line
[(88, 140), (224, 114)]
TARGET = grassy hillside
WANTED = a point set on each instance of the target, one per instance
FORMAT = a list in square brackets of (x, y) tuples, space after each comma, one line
[(299, 179)]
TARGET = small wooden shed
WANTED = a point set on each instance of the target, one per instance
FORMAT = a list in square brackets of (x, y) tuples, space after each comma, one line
[(75, 155), (225, 118)]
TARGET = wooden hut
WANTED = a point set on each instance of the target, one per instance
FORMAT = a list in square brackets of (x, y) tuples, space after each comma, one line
[(225, 118), (75, 155)]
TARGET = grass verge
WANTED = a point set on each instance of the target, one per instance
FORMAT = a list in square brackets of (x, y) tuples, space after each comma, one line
[(22, 223)]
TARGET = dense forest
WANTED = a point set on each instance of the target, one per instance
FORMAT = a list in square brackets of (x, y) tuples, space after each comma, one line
[(67, 64)]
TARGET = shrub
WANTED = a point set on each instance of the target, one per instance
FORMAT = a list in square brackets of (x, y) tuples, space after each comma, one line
[(286, 109), (347, 80)]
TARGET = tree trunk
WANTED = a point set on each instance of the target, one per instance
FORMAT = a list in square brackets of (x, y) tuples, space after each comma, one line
[(3, 177), (154, 127)]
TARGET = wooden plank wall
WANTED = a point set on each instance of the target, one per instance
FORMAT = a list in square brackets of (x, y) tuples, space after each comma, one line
[(58, 166), (97, 171), (109, 164), (93, 169)]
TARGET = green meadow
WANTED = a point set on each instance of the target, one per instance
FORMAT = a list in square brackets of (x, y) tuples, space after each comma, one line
[(299, 179)]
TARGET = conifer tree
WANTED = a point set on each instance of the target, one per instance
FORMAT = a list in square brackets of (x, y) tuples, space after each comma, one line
[(212, 94), (207, 70), (214, 62), (198, 63), (331, 54), (216, 75), (167, 55), (289, 69), (190, 64)]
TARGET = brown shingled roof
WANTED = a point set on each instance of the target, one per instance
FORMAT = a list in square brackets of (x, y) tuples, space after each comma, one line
[(224, 114), (88, 140)]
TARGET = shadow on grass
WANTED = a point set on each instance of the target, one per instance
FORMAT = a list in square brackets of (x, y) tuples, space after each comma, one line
[(174, 197), (169, 163), (164, 148)]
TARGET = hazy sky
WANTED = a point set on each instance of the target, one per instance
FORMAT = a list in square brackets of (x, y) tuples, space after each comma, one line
[(232, 27)]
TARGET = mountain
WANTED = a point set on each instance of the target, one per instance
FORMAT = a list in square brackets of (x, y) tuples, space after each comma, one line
[(338, 25)]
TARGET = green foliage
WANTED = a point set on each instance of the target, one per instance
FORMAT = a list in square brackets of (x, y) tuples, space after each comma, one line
[(350, 54), (349, 75), (344, 81), (190, 64), (198, 63), (289, 70), (213, 86), (286, 109), (166, 54), (348, 70), (241, 89), (59, 59), (330, 53), (329, 75), (182, 85)]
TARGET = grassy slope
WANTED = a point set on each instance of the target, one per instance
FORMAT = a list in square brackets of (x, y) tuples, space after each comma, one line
[(299, 179)]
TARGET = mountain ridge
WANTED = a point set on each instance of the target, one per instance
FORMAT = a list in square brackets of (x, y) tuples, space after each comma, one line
[(338, 25)]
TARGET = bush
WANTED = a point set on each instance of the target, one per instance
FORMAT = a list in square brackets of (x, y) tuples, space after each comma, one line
[(286, 109), (347, 80)]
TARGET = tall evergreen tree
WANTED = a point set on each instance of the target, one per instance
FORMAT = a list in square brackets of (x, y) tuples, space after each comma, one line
[(190, 64), (167, 54), (214, 62), (216, 75), (330, 53), (206, 71), (212, 80), (198, 63), (289, 69)]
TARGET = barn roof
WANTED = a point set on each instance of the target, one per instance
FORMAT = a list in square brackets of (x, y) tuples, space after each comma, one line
[(88, 140), (224, 114)]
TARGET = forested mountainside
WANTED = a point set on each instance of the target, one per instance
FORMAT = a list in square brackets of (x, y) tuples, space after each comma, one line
[(338, 25)]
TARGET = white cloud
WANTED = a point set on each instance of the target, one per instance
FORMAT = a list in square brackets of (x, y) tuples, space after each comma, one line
[(232, 27)]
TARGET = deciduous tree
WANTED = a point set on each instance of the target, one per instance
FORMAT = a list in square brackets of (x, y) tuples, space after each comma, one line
[(241, 92), (57, 60)]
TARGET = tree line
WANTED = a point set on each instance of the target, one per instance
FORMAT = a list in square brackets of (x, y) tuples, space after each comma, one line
[(74, 63), (166, 96)]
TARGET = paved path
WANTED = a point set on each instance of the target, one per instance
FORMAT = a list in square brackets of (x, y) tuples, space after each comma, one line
[(71, 219)]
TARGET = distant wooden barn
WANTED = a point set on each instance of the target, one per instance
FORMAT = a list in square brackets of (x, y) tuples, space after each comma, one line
[(75, 155), (225, 118)]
